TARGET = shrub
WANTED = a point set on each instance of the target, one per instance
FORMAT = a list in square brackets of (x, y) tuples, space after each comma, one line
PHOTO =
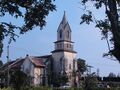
[(6, 89), (40, 88)]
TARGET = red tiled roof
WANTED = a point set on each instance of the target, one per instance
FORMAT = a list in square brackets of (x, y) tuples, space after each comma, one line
[(37, 62)]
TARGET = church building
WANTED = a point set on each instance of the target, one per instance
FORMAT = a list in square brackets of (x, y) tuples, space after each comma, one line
[(64, 55), (45, 70)]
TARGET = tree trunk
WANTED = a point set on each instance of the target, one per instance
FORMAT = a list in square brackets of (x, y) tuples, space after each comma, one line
[(113, 17)]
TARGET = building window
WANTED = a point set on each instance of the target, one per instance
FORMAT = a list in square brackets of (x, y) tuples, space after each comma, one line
[(60, 33), (69, 66), (57, 45), (70, 45), (68, 34), (60, 45), (67, 45)]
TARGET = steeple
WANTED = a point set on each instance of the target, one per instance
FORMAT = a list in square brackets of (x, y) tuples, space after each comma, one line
[(64, 41), (64, 30), (64, 20)]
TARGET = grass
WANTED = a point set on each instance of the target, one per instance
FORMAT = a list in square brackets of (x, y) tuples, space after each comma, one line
[(48, 88)]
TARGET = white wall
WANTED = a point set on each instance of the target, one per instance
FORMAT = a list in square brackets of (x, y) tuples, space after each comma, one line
[(27, 67), (38, 72), (57, 56), (70, 57)]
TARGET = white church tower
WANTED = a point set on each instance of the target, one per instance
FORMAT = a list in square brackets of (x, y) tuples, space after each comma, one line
[(64, 55)]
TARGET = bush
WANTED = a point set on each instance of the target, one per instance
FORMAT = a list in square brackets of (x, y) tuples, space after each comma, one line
[(41, 88), (68, 89), (6, 89), (48, 88), (75, 89)]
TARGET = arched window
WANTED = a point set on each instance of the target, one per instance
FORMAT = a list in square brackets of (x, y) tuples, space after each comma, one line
[(67, 45), (68, 34), (60, 33)]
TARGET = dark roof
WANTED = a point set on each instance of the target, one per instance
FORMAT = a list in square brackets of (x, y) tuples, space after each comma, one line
[(59, 50), (38, 62), (63, 41), (17, 63), (45, 56), (5, 66)]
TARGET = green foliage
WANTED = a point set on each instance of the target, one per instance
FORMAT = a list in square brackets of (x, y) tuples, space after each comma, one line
[(19, 79), (61, 80), (109, 26), (86, 18), (41, 88), (1, 63), (75, 88), (48, 88), (90, 82), (81, 65), (33, 13)]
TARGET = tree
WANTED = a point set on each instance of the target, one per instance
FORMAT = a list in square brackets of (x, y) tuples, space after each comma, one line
[(81, 65), (1, 63), (33, 13), (111, 75), (60, 79), (109, 26), (19, 79), (90, 82)]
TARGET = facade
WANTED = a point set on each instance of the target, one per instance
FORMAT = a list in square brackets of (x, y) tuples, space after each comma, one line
[(44, 70), (64, 55), (33, 67)]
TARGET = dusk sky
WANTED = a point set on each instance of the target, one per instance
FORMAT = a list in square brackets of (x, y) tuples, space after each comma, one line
[(87, 38)]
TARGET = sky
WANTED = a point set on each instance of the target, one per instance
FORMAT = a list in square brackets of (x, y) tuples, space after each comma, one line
[(87, 38)]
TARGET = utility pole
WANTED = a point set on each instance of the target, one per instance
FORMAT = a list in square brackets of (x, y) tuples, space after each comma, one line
[(8, 60)]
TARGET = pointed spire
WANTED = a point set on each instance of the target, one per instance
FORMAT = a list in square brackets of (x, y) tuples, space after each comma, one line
[(64, 20)]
